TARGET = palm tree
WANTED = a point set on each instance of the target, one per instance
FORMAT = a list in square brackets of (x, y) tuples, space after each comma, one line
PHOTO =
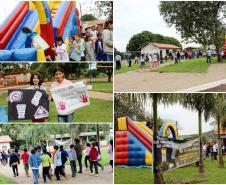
[(203, 104), (219, 113), (156, 98)]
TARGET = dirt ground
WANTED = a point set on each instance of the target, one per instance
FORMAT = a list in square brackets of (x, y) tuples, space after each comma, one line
[(147, 81), (105, 177)]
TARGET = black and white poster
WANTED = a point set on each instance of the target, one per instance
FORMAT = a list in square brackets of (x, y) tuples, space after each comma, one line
[(27, 104)]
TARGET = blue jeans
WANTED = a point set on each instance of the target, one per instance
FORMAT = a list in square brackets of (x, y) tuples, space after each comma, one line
[(66, 118), (108, 57), (35, 175)]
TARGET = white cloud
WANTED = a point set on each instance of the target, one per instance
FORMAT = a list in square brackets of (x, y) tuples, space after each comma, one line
[(187, 119), (131, 17)]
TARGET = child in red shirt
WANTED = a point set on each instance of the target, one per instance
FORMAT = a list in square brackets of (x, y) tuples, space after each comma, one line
[(93, 155), (24, 158)]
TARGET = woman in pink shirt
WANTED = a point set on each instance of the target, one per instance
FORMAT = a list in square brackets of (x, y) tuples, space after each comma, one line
[(61, 82)]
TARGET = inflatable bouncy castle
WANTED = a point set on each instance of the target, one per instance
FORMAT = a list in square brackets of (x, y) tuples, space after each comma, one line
[(48, 19), (134, 140)]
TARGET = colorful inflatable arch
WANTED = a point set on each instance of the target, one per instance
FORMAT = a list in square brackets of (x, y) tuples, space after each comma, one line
[(49, 19), (133, 142)]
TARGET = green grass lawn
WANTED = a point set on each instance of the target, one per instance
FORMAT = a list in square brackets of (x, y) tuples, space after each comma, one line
[(125, 68), (184, 175), (197, 65), (5, 180), (102, 86), (97, 111)]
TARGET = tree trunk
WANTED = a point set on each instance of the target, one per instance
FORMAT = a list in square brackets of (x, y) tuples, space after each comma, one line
[(158, 176), (220, 155), (109, 77), (201, 163), (219, 58), (98, 135)]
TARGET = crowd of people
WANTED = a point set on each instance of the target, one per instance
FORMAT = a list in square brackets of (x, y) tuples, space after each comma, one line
[(58, 159), (210, 150), (171, 56), (96, 44)]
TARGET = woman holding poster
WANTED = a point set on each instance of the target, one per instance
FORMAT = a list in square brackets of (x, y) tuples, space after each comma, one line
[(65, 98)]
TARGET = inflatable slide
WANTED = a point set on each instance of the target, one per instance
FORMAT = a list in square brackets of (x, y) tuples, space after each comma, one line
[(48, 19), (133, 142)]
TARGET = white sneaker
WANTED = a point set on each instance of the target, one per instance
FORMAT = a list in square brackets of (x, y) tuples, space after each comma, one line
[(97, 175), (92, 174)]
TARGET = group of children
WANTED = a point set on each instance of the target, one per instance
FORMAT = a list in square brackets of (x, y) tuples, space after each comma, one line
[(93, 45), (40, 156)]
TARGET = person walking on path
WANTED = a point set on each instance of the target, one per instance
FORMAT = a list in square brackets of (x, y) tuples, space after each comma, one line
[(14, 160), (208, 56), (118, 62), (58, 163), (87, 151), (34, 162), (24, 158), (46, 164), (64, 156), (73, 158), (78, 149), (93, 155), (99, 156)]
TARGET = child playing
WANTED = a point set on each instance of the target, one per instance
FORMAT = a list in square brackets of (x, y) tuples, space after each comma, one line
[(142, 61), (32, 39), (87, 151), (73, 158), (46, 165), (60, 82), (34, 162), (24, 158), (58, 164), (99, 155), (110, 151), (71, 46), (93, 155), (61, 50), (36, 84), (89, 48), (14, 160), (99, 51), (78, 49)]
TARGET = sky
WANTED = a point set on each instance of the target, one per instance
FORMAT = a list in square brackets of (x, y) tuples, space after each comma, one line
[(142, 15), (187, 119)]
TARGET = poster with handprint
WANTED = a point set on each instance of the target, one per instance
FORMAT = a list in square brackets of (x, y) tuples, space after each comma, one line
[(70, 97)]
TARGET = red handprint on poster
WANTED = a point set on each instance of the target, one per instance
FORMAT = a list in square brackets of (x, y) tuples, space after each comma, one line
[(61, 105), (84, 99)]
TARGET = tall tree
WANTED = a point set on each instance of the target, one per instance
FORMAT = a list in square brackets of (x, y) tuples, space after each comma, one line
[(203, 104), (219, 113), (105, 8), (197, 21), (88, 17), (140, 39)]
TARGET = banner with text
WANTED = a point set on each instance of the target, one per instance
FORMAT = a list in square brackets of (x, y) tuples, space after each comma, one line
[(70, 97), (177, 153), (27, 104)]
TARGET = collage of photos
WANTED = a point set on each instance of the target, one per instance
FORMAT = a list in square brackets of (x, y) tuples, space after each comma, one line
[(83, 103), (56, 92)]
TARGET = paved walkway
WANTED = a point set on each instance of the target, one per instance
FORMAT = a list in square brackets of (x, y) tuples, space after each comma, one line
[(105, 177), (147, 81)]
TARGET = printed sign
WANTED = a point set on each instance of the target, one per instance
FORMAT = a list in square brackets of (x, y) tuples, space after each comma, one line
[(27, 104), (177, 153), (69, 98)]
